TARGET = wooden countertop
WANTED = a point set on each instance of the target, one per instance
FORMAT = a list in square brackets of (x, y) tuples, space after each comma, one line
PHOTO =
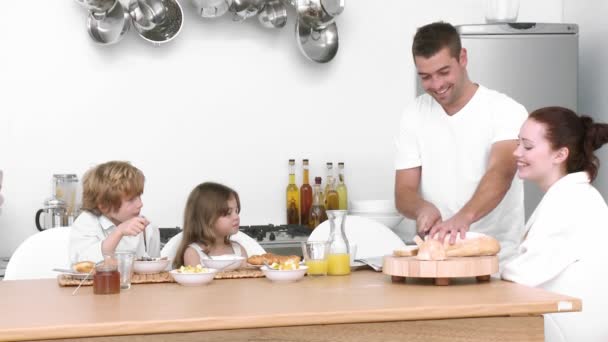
[(40, 309)]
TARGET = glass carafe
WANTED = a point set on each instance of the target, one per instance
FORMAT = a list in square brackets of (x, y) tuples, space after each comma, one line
[(339, 250)]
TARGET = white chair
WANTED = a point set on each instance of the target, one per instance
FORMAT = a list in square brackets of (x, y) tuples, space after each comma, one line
[(252, 247), (584, 279), (39, 254), (373, 239)]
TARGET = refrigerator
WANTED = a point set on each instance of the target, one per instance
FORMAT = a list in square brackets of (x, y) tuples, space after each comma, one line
[(534, 63)]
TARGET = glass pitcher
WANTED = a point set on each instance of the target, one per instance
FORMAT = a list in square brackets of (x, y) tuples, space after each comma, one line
[(338, 261)]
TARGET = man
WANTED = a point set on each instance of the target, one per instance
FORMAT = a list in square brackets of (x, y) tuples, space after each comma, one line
[(454, 164)]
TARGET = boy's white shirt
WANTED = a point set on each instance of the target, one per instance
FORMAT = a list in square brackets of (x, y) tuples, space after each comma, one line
[(569, 224), (89, 231)]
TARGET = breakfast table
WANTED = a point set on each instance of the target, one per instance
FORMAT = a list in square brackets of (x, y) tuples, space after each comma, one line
[(363, 306)]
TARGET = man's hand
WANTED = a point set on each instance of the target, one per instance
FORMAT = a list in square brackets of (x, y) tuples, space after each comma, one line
[(133, 226), (427, 217), (457, 224)]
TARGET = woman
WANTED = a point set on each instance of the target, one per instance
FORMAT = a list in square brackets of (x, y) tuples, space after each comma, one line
[(563, 249)]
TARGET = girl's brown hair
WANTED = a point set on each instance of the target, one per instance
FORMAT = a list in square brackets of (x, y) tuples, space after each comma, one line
[(579, 134), (106, 184), (206, 203)]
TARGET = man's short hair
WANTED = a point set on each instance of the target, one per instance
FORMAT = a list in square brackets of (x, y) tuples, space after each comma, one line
[(431, 38)]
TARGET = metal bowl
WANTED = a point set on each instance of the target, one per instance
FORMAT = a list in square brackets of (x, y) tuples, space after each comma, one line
[(273, 15), (109, 27), (318, 45), (147, 14), (211, 8), (168, 29)]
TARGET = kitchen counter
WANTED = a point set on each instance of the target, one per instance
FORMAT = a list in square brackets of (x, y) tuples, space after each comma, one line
[(363, 306)]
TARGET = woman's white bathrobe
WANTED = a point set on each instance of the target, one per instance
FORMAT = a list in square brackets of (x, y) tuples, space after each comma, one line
[(565, 250)]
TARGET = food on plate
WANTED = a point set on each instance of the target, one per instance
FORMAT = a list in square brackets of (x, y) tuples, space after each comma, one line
[(475, 244), (288, 265), (270, 259), (193, 269), (84, 266)]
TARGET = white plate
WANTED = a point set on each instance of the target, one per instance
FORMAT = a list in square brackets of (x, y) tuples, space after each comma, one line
[(75, 275)]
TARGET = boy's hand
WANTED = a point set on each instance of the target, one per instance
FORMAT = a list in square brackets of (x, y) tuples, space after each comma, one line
[(133, 226)]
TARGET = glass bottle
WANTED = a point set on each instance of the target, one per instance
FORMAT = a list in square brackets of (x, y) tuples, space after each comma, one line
[(305, 195), (293, 196), (338, 261), (317, 211), (329, 174), (341, 189), (332, 200)]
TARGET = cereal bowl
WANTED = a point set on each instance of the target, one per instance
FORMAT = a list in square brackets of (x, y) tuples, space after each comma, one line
[(194, 278), (284, 275), (224, 262), (150, 266)]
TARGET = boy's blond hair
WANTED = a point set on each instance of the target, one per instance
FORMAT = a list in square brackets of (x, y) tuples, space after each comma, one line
[(107, 184)]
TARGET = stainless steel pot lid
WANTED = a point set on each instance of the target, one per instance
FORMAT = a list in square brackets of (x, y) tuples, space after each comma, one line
[(168, 29), (99, 6), (273, 15), (109, 27), (211, 8), (318, 45), (147, 14)]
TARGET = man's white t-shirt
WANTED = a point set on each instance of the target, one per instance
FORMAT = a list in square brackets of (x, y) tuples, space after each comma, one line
[(453, 152)]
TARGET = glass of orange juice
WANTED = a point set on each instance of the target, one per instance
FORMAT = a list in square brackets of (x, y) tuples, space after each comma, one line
[(315, 256)]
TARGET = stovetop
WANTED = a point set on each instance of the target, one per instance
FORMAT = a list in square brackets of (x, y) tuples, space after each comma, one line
[(280, 233)]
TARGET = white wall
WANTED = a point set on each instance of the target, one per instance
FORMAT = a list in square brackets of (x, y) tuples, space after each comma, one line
[(591, 16), (224, 101)]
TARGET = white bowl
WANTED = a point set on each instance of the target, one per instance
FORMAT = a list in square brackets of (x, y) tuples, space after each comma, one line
[(284, 275), (389, 220), (150, 267), (224, 262), (194, 279), (373, 206)]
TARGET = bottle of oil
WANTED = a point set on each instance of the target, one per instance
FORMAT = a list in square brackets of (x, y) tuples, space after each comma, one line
[(329, 174), (341, 188), (293, 196), (317, 211), (305, 195), (331, 197)]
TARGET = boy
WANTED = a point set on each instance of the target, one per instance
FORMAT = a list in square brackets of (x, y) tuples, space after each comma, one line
[(111, 219)]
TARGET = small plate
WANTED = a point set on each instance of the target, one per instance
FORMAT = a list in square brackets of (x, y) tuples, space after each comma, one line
[(75, 275)]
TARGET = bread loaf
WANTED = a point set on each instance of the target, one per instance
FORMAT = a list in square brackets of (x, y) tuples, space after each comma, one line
[(407, 251), (472, 245), (84, 266)]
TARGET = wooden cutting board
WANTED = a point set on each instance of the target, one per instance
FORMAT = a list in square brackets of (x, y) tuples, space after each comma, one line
[(480, 267)]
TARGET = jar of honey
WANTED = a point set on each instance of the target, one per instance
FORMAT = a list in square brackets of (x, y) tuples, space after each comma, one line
[(106, 279)]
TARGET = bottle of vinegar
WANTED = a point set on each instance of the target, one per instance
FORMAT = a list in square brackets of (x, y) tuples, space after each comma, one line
[(317, 211), (341, 188), (305, 195), (293, 196)]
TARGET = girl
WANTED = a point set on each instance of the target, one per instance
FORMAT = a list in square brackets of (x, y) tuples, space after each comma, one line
[(210, 218), (563, 249)]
